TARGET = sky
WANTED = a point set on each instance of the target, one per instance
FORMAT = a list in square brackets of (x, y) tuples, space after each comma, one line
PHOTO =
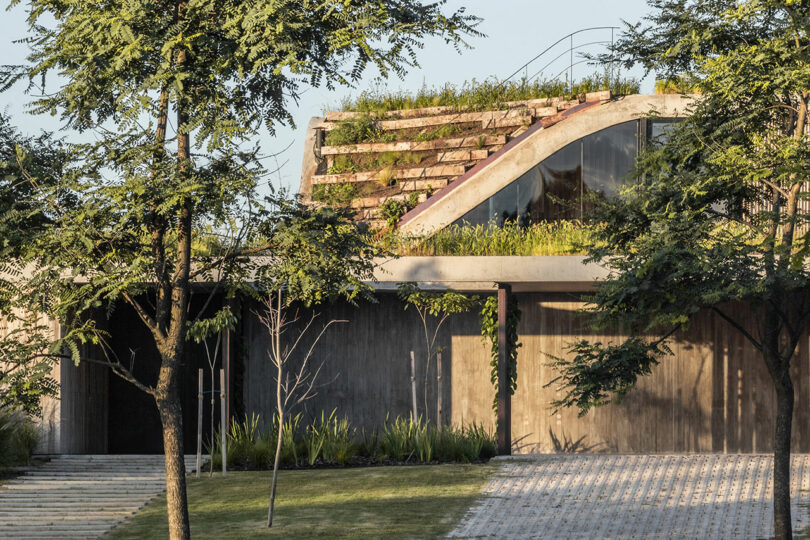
[(516, 31)]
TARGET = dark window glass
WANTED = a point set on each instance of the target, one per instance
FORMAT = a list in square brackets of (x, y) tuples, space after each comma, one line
[(503, 205), (608, 157), (560, 178), (658, 129), (476, 216), (553, 189)]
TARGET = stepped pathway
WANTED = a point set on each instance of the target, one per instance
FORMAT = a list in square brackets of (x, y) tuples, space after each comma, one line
[(80, 496)]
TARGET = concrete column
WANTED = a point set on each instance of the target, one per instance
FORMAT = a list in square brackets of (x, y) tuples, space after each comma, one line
[(504, 398)]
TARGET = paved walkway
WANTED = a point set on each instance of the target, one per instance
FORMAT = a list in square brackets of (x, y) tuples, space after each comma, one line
[(79, 496), (627, 496)]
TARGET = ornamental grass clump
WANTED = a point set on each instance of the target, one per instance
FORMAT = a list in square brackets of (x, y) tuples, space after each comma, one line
[(331, 440), (487, 94), (544, 238), (18, 438)]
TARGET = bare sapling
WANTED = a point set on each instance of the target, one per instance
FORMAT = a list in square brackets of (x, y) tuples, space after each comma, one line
[(294, 384)]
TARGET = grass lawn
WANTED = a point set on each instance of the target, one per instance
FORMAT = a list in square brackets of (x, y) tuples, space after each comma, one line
[(383, 502)]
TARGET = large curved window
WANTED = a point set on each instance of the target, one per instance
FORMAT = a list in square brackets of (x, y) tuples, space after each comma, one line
[(554, 188)]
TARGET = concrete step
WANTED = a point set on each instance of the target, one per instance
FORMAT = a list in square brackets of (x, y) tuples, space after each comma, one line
[(80, 496), (78, 502), (77, 510)]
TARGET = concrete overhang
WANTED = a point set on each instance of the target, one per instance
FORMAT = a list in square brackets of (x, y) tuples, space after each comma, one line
[(547, 273), (529, 149), (560, 273)]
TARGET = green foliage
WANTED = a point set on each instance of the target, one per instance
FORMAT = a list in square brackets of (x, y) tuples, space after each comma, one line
[(222, 320), (18, 437), (598, 374), (335, 194), (362, 129), (27, 358), (343, 164), (319, 254), (675, 85), (545, 238), (348, 164), (392, 211), (486, 94), (717, 219), (489, 331), (436, 304), (332, 440), (439, 132)]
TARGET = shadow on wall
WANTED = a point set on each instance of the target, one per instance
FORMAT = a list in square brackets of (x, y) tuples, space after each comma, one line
[(366, 371), (712, 395)]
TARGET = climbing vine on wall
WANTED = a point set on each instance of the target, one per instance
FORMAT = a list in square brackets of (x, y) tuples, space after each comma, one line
[(489, 329)]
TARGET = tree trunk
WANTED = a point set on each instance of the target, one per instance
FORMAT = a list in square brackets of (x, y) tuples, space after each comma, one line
[(276, 463), (171, 417), (782, 526)]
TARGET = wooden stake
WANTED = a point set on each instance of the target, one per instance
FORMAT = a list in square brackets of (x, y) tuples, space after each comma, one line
[(223, 428), (413, 383), (199, 420), (439, 389)]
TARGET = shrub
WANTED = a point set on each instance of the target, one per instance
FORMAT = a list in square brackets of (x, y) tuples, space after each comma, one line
[(18, 438), (342, 164), (357, 130), (391, 211), (334, 194), (333, 440)]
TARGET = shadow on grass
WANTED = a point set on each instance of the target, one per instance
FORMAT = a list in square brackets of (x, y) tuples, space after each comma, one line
[(390, 502)]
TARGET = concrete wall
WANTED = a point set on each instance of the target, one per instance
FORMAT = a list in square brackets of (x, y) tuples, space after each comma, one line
[(713, 395)]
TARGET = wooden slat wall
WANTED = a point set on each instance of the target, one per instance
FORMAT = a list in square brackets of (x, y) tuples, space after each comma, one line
[(84, 399), (713, 395)]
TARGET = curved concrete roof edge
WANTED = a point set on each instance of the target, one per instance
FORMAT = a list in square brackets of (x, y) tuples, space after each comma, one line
[(531, 150)]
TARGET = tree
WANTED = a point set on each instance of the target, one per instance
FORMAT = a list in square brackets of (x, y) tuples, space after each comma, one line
[(293, 385), (717, 217), (26, 354), (202, 78), (433, 308), (319, 256)]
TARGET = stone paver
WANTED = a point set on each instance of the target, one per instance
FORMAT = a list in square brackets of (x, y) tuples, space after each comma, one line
[(634, 496), (81, 496)]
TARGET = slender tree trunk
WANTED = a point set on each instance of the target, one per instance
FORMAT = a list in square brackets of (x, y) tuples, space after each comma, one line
[(171, 417), (280, 402), (276, 463), (782, 524)]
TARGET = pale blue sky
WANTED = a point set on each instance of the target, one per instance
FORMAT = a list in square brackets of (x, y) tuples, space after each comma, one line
[(516, 31)]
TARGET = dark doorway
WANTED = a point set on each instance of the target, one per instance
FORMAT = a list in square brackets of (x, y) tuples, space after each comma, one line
[(133, 421)]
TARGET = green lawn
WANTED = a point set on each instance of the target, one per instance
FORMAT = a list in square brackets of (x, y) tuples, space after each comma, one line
[(381, 502)]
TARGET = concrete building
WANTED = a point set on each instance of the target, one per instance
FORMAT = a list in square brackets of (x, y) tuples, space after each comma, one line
[(531, 161)]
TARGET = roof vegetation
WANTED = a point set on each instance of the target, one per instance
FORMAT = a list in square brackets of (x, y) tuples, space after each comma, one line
[(486, 94), (544, 238)]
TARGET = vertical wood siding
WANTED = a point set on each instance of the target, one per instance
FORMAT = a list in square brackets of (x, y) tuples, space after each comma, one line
[(713, 395)]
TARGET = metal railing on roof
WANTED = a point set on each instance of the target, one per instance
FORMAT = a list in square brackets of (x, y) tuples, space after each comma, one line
[(570, 51)]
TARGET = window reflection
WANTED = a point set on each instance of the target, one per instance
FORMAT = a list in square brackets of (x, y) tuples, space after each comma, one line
[(608, 157), (564, 184)]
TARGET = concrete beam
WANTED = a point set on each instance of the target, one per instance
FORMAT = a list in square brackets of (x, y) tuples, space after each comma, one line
[(554, 273)]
